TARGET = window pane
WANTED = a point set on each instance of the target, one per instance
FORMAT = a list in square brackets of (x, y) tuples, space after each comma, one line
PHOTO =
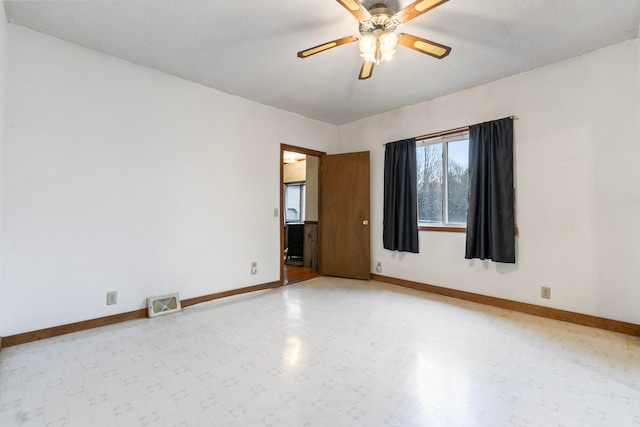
[(292, 202), (429, 171), (458, 180)]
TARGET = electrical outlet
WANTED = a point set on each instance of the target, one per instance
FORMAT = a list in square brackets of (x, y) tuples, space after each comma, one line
[(546, 293), (378, 267), (112, 298), (254, 267)]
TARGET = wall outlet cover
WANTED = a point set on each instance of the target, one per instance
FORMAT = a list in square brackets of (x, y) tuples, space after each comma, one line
[(112, 298)]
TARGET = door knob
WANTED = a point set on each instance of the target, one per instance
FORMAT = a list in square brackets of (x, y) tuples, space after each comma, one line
[(365, 222)]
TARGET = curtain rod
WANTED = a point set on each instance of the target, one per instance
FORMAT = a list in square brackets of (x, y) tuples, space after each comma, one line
[(447, 132)]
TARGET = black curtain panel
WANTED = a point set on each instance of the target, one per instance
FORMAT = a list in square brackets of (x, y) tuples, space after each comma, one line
[(490, 218), (400, 220)]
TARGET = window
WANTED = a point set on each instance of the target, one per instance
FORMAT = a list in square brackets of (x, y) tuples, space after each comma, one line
[(294, 201), (442, 179)]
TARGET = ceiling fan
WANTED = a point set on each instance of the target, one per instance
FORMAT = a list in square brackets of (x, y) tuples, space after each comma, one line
[(378, 39)]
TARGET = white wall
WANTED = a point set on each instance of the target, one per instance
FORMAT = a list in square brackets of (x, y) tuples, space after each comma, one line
[(118, 177), (577, 175), (3, 69)]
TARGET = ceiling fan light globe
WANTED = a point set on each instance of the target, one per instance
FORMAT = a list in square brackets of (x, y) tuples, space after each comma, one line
[(388, 42), (387, 56), (368, 45), (369, 57)]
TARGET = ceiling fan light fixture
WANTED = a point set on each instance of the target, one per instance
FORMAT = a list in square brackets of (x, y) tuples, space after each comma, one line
[(377, 48), (388, 43), (368, 46)]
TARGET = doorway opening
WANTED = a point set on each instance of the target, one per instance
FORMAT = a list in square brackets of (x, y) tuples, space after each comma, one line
[(299, 191)]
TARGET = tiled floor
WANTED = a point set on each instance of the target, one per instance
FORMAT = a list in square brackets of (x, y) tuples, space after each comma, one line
[(327, 352)]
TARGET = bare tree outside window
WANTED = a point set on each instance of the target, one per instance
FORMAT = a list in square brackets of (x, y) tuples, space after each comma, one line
[(429, 173), (442, 181), (457, 181)]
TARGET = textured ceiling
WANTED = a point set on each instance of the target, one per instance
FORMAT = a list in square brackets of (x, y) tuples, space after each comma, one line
[(248, 48)]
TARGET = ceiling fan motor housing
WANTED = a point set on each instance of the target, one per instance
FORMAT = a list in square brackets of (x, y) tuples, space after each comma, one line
[(380, 21), (380, 9)]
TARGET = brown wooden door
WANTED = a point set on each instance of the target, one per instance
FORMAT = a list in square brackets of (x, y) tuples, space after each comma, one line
[(343, 226)]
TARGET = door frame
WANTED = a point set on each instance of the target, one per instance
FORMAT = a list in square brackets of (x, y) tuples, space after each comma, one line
[(295, 149)]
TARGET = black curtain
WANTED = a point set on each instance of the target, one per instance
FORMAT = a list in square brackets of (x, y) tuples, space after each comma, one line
[(400, 221), (490, 218)]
